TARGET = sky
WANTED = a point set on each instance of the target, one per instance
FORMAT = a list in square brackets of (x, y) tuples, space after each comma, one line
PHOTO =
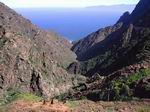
[(63, 3)]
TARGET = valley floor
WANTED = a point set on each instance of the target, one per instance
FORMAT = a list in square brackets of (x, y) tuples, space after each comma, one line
[(78, 106)]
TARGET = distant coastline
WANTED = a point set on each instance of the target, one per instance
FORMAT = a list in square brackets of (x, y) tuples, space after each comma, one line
[(74, 23)]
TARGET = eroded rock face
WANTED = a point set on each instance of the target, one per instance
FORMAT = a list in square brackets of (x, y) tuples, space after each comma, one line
[(32, 60), (74, 68), (85, 45)]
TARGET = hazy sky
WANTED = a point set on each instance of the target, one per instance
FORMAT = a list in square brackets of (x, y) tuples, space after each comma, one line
[(64, 3)]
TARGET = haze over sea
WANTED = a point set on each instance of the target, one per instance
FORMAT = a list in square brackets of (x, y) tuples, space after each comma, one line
[(74, 23)]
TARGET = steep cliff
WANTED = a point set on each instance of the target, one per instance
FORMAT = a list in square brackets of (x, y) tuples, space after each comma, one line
[(32, 60), (84, 45)]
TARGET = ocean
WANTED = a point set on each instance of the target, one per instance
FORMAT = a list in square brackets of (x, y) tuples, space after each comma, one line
[(73, 23)]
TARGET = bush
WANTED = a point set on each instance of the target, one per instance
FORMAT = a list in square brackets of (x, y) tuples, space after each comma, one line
[(71, 104), (28, 97), (3, 40), (122, 88), (13, 95), (61, 97)]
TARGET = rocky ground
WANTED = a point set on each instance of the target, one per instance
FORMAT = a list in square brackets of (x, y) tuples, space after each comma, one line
[(101, 106), (78, 106)]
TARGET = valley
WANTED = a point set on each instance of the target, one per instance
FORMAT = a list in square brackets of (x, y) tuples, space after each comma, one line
[(107, 71)]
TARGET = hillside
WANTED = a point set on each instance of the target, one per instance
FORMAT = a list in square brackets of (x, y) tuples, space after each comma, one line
[(121, 55), (116, 41), (37, 67), (32, 60)]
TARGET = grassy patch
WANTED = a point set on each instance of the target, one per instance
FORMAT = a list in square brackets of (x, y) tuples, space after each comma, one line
[(71, 104), (3, 41), (138, 76), (2, 109), (28, 97), (122, 88), (13, 95), (110, 109), (143, 109)]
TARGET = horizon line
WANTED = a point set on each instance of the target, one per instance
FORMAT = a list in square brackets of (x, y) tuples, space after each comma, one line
[(79, 7)]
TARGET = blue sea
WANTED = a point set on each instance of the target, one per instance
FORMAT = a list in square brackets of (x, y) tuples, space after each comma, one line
[(74, 23)]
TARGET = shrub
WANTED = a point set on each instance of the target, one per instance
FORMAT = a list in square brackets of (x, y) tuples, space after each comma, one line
[(3, 40), (122, 88), (28, 97), (13, 95), (71, 104)]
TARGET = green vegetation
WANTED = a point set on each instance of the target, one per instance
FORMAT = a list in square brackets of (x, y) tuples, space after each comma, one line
[(28, 97), (83, 98), (3, 40), (65, 96), (3, 108), (122, 88), (91, 63), (110, 109), (19, 34), (69, 97), (61, 97), (71, 104), (143, 109), (13, 95)]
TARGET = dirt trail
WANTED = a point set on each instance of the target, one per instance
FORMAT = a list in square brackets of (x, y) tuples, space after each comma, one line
[(22, 106), (101, 106), (78, 106)]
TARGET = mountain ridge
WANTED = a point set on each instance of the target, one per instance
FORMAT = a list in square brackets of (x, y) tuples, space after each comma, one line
[(121, 56), (31, 59)]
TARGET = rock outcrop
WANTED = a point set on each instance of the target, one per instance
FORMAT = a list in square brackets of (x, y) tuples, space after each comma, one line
[(86, 44), (32, 60)]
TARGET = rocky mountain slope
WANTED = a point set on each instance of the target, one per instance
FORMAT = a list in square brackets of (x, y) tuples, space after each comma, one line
[(83, 45), (120, 54), (132, 31), (86, 44), (32, 60)]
